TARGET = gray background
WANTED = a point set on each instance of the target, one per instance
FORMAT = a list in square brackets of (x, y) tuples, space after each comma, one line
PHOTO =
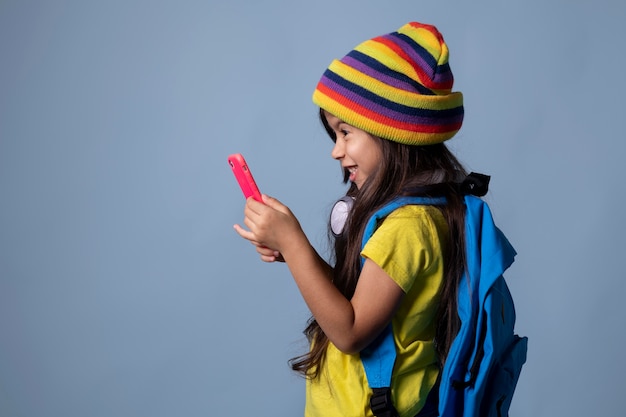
[(124, 290)]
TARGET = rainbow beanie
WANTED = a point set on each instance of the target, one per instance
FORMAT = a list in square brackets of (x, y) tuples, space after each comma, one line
[(396, 86)]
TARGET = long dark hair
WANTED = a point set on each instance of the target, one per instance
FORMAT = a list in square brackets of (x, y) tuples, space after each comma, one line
[(430, 170)]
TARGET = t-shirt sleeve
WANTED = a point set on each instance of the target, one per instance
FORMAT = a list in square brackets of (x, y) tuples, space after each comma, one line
[(408, 244)]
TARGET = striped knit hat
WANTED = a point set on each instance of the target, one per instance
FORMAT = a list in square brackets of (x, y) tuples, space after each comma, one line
[(396, 86)]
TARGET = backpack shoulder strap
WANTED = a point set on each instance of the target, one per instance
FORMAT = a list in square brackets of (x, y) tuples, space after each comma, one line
[(379, 357)]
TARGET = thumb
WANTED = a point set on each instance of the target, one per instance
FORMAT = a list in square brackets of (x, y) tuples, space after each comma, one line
[(273, 203)]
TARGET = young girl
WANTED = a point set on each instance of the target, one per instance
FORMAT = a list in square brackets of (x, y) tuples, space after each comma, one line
[(388, 106)]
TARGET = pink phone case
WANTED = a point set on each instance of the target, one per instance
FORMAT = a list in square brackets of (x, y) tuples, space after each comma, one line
[(244, 176)]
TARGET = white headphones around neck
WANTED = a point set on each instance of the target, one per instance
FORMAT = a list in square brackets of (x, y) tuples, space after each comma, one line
[(339, 214)]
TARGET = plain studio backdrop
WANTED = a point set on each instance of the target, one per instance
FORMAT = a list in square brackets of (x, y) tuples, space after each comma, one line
[(124, 290)]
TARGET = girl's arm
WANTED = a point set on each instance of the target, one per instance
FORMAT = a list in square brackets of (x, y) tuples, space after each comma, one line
[(349, 324)]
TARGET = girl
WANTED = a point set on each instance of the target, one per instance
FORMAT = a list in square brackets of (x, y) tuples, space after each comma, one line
[(388, 106)]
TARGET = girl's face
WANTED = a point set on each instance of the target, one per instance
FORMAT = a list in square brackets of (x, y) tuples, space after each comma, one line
[(356, 150)]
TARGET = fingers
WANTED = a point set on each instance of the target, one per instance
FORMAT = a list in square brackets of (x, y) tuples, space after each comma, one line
[(258, 216), (253, 206), (270, 224), (265, 251), (246, 234), (249, 236), (253, 212), (269, 255), (275, 204), (242, 232), (269, 201)]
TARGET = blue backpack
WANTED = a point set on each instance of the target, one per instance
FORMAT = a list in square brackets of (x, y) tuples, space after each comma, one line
[(486, 357)]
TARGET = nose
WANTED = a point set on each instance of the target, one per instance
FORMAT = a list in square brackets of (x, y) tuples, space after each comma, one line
[(338, 151)]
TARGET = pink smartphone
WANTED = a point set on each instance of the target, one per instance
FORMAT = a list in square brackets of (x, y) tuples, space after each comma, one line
[(244, 176)]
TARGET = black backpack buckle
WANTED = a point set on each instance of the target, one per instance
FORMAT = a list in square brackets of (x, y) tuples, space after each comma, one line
[(381, 403), (475, 184)]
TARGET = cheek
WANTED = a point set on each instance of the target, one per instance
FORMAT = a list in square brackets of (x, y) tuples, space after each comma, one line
[(374, 155)]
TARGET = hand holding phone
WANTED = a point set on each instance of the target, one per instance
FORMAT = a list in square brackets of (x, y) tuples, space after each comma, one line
[(249, 188), (244, 177)]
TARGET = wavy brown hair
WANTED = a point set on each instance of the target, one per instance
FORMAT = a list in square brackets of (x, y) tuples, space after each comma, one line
[(430, 170)]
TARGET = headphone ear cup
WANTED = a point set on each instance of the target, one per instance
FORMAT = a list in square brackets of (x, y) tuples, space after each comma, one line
[(339, 214)]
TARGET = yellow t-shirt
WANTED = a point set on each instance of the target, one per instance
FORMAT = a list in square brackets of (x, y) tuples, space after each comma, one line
[(408, 246)]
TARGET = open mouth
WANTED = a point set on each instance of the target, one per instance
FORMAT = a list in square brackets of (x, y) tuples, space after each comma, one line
[(352, 170)]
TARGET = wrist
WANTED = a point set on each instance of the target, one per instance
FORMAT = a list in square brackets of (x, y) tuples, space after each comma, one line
[(298, 245)]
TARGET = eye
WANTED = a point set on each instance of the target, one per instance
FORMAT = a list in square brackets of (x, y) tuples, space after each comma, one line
[(344, 132)]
